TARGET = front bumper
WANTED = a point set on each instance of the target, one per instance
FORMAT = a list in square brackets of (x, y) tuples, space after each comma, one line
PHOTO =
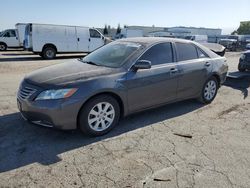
[(60, 113)]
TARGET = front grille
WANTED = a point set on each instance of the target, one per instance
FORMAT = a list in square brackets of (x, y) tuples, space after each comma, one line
[(26, 92)]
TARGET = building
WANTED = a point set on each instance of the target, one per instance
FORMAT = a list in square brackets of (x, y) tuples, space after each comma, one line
[(178, 31)]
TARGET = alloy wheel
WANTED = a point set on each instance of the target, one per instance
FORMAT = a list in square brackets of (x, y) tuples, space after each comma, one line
[(101, 116), (210, 90)]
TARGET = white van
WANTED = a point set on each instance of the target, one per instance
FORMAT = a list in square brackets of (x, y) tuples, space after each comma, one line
[(9, 39), (48, 40)]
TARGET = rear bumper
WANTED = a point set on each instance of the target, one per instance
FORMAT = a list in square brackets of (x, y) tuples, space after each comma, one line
[(60, 114)]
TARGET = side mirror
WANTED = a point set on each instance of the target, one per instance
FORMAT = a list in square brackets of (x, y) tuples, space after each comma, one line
[(141, 64)]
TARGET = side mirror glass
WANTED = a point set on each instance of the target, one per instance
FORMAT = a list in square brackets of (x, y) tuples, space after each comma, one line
[(141, 64)]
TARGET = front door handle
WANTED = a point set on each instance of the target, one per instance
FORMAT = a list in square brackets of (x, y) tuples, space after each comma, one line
[(173, 70), (207, 64), (78, 39)]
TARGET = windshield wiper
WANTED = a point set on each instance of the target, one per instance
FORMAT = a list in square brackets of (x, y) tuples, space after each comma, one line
[(90, 62)]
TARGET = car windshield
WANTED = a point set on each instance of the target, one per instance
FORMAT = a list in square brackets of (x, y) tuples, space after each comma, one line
[(112, 55), (1, 33)]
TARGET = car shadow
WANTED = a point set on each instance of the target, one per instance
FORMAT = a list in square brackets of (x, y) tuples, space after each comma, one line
[(32, 58), (241, 83), (22, 143)]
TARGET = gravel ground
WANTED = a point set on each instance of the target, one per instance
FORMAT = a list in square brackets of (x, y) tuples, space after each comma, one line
[(145, 150)]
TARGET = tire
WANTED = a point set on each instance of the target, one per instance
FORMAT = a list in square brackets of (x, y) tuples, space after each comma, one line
[(3, 47), (209, 90), (49, 53), (240, 68), (95, 122)]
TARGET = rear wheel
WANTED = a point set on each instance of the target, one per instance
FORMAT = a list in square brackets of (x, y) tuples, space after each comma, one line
[(99, 115), (3, 47), (49, 53), (209, 90)]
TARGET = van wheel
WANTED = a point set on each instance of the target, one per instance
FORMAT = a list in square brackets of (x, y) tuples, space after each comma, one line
[(49, 53), (209, 90), (99, 115), (3, 47)]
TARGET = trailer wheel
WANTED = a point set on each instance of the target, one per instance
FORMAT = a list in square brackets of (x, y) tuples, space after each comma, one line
[(49, 53), (3, 47)]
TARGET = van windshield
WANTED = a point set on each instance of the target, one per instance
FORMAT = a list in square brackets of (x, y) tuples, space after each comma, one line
[(112, 55)]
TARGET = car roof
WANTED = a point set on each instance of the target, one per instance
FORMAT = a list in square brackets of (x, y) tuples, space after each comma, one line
[(153, 40), (149, 41)]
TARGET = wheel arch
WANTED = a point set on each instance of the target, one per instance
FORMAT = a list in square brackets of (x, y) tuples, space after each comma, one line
[(4, 43), (113, 94), (49, 45), (217, 78)]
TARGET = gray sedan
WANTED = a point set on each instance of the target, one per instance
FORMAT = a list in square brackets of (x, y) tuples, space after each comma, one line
[(121, 78)]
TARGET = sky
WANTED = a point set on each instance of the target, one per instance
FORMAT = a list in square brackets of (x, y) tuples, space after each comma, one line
[(224, 14)]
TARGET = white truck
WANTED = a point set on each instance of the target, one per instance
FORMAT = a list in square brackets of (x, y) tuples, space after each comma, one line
[(47, 40), (12, 38)]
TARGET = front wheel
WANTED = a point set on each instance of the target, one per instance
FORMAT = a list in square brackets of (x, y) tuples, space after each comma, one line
[(99, 115), (3, 47), (209, 90)]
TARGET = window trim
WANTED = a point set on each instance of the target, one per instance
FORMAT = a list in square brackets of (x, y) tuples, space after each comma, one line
[(149, 47)]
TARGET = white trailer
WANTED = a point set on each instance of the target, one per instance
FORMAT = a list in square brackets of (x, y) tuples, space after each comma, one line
[(20, 27), (48, 40)]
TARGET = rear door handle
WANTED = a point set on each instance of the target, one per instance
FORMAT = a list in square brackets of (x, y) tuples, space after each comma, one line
[(173, 70), (207, 64), (78, 39)]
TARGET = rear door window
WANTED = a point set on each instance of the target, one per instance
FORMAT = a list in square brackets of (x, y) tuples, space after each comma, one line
[(159, 54), (201, 54), (186, 51)]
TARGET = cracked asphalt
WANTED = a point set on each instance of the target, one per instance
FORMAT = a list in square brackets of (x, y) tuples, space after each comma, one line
[(185, 144)]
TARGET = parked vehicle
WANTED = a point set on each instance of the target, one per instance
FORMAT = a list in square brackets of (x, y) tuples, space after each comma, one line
[(12, 38), (20, 27), (118, 79), (244, 62), (48, 40), (231, 43), (9, 39), (197, 38), (248, 46), (129, 33)]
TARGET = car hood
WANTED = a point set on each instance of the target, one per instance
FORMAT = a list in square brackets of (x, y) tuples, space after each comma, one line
[(68, 72)]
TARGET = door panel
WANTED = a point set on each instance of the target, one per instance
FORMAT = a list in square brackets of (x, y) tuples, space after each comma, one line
[(10, 38), (151, 87), (193, 74), (82, 39), (96, 40)]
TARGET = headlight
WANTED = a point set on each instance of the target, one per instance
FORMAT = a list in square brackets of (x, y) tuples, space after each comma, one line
[(56, 94)]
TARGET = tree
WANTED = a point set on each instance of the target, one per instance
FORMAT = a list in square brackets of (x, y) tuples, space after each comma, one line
[(118, 30), (234, 32), (105, 31), (244, 28)]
